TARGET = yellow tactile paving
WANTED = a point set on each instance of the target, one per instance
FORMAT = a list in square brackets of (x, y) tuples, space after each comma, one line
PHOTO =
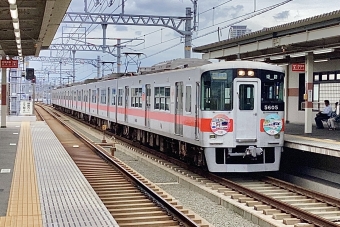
[(23, 205)]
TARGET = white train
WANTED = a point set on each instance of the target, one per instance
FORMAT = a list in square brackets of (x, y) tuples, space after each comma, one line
[(227, 116)]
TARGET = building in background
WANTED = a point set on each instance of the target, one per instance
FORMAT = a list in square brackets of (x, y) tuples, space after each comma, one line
[(238, 30)]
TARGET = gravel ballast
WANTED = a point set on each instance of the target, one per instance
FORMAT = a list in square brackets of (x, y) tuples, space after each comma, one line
[(215, 214)]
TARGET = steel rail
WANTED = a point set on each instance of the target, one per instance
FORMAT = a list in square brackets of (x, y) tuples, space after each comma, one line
[(300, 190), (181, 217), (294, 211)]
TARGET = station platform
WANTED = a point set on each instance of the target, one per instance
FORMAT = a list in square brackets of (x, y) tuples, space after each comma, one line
[(39, 183), (320, 141), (41, 186)]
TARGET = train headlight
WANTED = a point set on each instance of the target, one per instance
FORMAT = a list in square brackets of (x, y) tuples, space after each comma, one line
[(212, 136), (241, 73), (277, 136), (250, 73)]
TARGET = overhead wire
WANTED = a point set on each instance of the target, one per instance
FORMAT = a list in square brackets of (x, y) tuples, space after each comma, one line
[(215, 7), (252, 14)]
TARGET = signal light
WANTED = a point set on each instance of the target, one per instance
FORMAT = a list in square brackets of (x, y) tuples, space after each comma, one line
[(29, 73)]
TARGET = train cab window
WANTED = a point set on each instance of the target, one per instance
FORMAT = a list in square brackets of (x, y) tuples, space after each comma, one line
[(103, 96), (216, 91), (188, 99), (272, 91), (246, 97)]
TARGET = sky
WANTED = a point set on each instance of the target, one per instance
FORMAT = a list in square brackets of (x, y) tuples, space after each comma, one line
[(158, 44)]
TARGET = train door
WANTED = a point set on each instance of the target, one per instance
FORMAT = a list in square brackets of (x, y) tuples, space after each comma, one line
[(126, 103), (82, 99), (108, 102), (89, 99), (178, 108), (147, 104), (197, 104), (76, 99), (246, 119), (97, 101)]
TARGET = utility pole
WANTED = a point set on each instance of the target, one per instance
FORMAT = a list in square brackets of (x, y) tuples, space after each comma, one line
[(98, 67), (119, 62), (188, 35), (74, 65)]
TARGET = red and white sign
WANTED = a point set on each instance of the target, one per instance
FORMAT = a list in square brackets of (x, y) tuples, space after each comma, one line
[(9, 63), (298, 67)]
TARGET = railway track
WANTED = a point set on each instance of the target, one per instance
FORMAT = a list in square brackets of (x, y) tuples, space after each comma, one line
[(131, 199), (285, 203)]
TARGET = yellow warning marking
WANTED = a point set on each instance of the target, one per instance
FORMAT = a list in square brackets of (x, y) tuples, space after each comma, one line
[(23, 205)]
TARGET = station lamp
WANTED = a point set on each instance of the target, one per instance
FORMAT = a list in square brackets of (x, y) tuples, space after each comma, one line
[(14, 11), (15, 18)]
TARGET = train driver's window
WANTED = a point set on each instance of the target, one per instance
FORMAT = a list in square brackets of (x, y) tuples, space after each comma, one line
[(216, 93)]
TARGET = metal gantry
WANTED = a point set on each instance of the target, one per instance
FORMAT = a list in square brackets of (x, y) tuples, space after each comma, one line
[(127, 19), (63, 59), (172, 22), (94, 62), (84, 47)]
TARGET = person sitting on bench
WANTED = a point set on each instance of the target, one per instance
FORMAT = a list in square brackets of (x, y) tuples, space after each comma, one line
[(325, 114), (335, 117)]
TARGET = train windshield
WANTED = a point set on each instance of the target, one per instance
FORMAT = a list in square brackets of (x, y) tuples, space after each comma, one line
[(217, 90), (272, 90)]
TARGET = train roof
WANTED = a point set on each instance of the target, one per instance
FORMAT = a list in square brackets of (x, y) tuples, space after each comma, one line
[(243, 65)]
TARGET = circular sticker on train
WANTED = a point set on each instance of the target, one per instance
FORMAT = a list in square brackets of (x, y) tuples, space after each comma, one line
[(220, 124), (272, 124)]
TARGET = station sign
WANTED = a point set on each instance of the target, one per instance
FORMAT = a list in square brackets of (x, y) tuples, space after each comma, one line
[(9, 64), (298, 67), (26, 107)]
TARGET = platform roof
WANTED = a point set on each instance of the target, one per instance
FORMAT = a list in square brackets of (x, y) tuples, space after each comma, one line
[(39, 21), (285, 43)]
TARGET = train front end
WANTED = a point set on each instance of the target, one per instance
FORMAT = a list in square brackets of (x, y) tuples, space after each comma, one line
[(242, 117)]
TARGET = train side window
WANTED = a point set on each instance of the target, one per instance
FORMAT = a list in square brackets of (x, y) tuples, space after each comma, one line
[(120, 97), (246, 97), (136, 97), (162, 98), (103, 96), (188, 99)]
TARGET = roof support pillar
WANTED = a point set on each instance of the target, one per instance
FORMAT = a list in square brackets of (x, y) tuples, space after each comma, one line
[(3, 97), (309, 63)]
